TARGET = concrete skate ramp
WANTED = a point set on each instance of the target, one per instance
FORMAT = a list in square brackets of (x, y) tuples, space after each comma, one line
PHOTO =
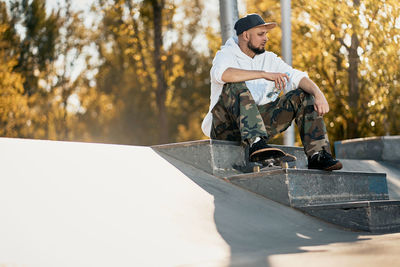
[(77, 204)]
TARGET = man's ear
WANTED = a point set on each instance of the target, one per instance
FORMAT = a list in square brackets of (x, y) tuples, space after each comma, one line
[(246, 35)]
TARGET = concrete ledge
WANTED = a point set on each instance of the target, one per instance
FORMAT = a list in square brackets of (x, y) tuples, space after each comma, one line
[(217, 157), (385, 148), (212, 156), (370, 216), (295, 187)]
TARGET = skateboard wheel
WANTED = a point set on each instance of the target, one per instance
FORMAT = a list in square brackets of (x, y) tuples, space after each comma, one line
[(285, 165), (256, 169)]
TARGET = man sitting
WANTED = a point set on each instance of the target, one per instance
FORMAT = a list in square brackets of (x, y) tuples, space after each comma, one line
[(246, 82)]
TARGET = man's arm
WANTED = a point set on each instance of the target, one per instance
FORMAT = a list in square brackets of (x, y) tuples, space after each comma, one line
[(321, 104), (233, 75)]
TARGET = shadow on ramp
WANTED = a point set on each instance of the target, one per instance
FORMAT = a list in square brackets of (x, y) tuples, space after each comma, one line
[(256, 228)]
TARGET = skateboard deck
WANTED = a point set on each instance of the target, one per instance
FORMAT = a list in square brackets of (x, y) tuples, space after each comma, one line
[(269, 153), (269, 159)]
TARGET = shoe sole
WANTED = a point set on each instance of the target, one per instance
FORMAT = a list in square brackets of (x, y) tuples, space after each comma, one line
[(335, 167)]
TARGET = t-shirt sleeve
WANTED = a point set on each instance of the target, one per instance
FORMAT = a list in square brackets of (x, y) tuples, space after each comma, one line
[(221, 62), (294, 74)]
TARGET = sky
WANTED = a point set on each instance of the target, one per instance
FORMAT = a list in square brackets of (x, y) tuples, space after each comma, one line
[(211, 9)]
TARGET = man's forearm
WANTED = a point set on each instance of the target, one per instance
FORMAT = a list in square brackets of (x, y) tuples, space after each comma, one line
[(233, 75), (309, 86)]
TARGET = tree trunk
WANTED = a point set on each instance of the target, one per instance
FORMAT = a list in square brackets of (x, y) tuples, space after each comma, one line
[(354, 94), (161, 91)]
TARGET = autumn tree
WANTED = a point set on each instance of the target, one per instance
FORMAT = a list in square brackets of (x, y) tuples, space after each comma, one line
[(350, 49), (45, 50), (160, 90), (14, 111), (189, 75)]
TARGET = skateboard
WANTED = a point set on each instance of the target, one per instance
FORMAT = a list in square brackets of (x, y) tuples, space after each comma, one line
[(269, 159), (278, 161)]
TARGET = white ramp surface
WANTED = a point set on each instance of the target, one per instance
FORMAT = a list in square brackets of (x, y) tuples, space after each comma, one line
[(79, 204), (70, 204)]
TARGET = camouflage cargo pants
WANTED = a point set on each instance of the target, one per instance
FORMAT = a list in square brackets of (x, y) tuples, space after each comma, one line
[(236, 117)]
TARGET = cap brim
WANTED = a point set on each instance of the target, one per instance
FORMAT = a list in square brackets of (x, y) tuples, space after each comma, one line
[(269, 25)]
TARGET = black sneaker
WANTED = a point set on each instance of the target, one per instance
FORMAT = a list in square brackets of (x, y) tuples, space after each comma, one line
[(324, 161), (260, 151)]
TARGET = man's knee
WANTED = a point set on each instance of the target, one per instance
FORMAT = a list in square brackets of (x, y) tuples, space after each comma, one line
[(301, 97), (308, 97), (234, 88), (236, 94)]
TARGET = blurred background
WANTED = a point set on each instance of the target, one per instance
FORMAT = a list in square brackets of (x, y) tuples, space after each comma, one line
[(137, 72)]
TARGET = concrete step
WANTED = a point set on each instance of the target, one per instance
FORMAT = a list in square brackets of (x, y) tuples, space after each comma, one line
[(218, 157), (294, 187), (371, 216), (354, 200), (384, 148), (391, 169)]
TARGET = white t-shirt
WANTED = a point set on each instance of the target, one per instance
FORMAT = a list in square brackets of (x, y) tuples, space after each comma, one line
[(263, 91)]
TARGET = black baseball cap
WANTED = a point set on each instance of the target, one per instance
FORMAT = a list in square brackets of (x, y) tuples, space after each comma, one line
[(251, 21)]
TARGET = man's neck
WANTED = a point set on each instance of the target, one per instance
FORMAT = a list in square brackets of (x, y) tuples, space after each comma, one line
[(245, 49)]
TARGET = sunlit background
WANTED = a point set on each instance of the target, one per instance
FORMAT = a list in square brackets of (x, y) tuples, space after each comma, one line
[(137, 72)]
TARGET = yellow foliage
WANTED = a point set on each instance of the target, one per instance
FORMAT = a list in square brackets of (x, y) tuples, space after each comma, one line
[(323, 33), (14, 110), (191, 131)]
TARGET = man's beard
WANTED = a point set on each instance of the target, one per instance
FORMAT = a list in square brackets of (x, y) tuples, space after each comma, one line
[(256, 50)]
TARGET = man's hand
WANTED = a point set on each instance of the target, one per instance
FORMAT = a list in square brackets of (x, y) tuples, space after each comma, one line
[(280, 79), (321, 104)]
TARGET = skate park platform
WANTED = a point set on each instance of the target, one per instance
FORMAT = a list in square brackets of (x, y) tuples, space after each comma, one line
[(352, 199), (83, 204), (373, 154)]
